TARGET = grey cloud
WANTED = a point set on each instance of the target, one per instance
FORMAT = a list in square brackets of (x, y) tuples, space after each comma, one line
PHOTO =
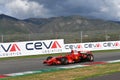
[(105, 9), (25, 9)]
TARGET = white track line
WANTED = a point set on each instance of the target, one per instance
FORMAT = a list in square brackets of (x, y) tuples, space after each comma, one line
[(64, 67)]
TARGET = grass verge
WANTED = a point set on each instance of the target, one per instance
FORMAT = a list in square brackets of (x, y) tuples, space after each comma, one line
[(73, 74)]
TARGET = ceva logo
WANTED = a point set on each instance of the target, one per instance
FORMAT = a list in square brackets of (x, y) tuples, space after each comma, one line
[(10, 48), (117, 44), (43, 45), (73, 46), (55, 45), (111, 44), (93, 45)]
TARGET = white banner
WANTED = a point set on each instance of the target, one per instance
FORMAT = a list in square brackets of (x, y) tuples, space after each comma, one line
[(31, 48), (92, 46), (52, 46)]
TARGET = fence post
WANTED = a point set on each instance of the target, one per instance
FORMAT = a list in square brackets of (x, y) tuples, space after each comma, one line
[(81, 36), (2, 38), (106, 36), (29, 37)]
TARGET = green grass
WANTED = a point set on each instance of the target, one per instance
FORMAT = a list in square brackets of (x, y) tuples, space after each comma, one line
[(73, 74)]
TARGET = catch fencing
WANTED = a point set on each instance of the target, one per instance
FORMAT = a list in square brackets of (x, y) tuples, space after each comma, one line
[(69, 37)]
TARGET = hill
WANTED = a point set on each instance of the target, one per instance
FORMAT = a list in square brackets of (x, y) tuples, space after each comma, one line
[(78, 23), (73, 24), (10, 25)]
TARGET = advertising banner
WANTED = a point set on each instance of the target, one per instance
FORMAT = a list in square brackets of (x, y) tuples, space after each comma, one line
[(31, 48), (52, 46), (92, 46)]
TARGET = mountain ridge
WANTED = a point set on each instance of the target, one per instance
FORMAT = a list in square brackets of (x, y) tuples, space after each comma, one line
[(75, 23)]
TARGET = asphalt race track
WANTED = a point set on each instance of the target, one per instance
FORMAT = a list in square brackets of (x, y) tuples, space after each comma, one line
[(32, 64)]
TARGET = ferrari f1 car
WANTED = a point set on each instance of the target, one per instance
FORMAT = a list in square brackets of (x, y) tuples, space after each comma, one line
[(73, 57)]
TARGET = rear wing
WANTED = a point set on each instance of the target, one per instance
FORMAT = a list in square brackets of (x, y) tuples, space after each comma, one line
[(83, 52)]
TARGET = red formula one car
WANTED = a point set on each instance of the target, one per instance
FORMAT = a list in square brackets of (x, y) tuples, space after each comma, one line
[(73, 57)]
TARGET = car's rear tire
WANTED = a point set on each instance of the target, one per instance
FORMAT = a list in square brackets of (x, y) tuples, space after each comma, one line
[(90, 58), (48, 58), (64, 60)]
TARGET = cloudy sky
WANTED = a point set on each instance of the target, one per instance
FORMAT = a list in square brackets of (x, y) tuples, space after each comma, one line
[(22, 9)]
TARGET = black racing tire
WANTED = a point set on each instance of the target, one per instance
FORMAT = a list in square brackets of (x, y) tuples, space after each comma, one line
[(90, 58), (80, 59), (48, 58), (64, 60)]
